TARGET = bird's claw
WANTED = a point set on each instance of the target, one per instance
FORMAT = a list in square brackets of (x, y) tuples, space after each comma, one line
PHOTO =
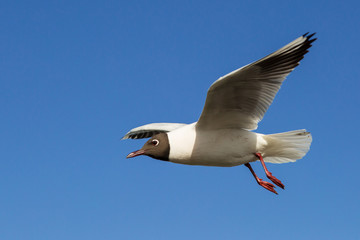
[(267, 186), (275, 180)]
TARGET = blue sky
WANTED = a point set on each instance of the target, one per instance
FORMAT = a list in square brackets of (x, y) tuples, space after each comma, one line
[(77, 75)]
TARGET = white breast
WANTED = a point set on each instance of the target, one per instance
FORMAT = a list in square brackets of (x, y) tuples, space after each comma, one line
[(229, 147), (182, 143)]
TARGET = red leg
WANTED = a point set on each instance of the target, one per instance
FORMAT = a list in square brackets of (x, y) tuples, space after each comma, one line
[(269, 174), (262, 183)]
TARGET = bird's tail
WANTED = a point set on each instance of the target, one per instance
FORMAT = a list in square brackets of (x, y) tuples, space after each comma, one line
[(287, 146)]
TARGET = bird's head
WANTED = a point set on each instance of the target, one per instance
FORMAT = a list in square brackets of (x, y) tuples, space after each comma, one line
[(156, 147)]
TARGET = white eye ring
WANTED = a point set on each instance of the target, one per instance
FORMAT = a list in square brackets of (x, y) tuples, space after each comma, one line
[(155, 142)]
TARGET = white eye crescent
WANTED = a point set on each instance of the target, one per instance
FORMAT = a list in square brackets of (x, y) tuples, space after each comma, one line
[(155, 142)]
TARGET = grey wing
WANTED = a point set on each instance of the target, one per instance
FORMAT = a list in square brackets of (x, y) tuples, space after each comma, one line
[(241, 98), (151, 129)]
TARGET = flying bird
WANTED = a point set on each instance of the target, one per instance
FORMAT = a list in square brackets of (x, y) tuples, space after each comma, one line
[(234, 106)]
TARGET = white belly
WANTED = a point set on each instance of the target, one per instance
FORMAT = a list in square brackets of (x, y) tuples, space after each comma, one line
[(224, 148)]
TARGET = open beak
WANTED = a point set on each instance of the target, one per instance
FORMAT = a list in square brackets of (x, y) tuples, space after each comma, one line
[(136, 153)]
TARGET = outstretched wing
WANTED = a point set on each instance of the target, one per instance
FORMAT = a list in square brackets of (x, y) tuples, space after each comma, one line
[(151, 129), (241, 98)]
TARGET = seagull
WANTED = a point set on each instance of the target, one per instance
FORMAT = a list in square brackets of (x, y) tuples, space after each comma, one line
[(234, 106)]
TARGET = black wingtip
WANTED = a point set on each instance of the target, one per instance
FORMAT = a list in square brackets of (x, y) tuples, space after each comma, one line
[(308, 37)]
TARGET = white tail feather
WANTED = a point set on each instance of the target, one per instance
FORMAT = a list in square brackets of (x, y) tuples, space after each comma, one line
[(287, 147)]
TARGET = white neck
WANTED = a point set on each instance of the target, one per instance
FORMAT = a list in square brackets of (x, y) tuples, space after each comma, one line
[(182, 142)]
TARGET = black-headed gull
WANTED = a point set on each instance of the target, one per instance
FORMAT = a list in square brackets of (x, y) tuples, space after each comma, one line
[(235, 103)]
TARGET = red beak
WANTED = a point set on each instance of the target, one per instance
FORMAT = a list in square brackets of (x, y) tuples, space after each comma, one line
[(136, 153)]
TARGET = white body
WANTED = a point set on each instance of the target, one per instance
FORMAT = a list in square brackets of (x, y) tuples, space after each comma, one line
[(192, 147), (232, 147)]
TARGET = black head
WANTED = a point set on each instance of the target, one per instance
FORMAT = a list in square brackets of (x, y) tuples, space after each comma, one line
[(157, 147)]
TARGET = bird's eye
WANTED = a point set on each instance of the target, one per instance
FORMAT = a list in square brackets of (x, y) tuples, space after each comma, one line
[(155, 142)]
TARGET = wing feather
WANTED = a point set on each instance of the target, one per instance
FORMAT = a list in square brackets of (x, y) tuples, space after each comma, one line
[(151, 129), (241, 98)]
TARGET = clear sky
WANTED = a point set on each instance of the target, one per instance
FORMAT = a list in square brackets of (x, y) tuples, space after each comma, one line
[(75, 76)]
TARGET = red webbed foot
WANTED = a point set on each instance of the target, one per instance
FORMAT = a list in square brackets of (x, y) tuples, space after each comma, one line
[(267, 186), (275, 180), (269, 174), (262, 183)]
